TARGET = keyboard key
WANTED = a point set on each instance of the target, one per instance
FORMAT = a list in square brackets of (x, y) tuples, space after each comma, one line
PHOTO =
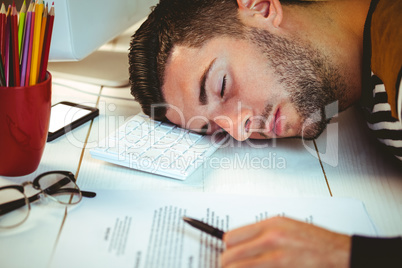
[(165, 127), (135, 151), (156, 136), (172, 155), (187, 142), (131, 125), (178, 131), (162, 145), (173, 136), (152, 153), (179, 148)]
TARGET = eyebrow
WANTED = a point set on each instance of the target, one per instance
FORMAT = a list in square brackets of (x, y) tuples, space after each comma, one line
[(203, 94)]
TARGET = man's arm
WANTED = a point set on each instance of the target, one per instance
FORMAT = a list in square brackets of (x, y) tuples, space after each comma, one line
[(283, 242)]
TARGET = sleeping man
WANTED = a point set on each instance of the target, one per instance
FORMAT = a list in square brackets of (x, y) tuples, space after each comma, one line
[(268, 69)]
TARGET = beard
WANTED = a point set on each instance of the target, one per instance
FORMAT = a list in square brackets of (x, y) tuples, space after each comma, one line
[(312, 81)]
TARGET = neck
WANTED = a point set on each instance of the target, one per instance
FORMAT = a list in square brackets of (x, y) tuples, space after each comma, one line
[(335, 28), (336, 15)]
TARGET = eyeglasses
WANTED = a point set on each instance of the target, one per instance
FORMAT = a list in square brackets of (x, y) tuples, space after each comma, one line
[(59, 186)]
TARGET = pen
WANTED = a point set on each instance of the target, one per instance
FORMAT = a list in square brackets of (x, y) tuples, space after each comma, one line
[(204, 227)]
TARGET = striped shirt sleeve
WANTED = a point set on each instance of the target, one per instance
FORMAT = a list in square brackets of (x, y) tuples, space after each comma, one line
[(386, 128)]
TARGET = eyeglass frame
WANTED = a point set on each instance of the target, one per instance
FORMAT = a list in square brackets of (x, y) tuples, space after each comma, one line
[(13, 205)]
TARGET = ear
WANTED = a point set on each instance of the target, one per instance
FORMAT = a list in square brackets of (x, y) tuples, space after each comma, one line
[(265, 10)]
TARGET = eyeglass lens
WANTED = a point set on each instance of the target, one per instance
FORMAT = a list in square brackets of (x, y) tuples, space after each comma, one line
[(60, 188), (14, 208)]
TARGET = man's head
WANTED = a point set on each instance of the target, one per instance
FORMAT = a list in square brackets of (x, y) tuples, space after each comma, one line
[(227, 64)]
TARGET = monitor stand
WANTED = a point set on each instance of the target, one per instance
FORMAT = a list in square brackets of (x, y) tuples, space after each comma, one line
[(105, 68)]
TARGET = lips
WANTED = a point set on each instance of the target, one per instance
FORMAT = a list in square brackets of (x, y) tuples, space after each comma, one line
[(277, 125), (273, 126)]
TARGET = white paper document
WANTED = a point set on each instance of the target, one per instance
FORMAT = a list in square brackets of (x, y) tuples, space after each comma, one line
[(145, 229)]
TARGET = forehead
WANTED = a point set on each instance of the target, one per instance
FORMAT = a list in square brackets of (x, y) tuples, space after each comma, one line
[(180, 83), (180, 73)]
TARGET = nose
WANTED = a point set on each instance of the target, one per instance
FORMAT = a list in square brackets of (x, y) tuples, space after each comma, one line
[(234, 122)]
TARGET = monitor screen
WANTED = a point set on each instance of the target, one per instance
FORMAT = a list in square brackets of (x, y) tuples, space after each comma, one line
[(82, 26)]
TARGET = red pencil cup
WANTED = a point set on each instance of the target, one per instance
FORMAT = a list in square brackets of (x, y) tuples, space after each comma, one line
[(24, 121)]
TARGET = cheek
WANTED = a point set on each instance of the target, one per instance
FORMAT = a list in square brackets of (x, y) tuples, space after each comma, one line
[(255, 94), (176, 116), (258, 85)]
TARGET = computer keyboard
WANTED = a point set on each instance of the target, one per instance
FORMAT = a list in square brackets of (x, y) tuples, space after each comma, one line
[(157, 147)]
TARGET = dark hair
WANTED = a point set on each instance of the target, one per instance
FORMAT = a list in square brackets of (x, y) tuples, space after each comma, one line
[(174, 22)]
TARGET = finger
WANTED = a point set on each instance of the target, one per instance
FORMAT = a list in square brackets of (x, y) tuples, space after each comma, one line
[(264, 243), (242, 234)]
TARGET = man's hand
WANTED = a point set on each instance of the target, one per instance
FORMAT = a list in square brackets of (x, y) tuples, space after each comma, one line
[(283, 242)]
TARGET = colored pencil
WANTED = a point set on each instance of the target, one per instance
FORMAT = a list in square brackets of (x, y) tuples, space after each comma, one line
[(25, 43), (28, 72), (2, 78), (21, 26), (15, 57), (2, 30), (42, 36), (25, 50), (46, 46), (35, 46), (7, 48)]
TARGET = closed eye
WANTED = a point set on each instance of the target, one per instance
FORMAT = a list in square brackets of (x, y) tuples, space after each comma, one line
[(223, 86)]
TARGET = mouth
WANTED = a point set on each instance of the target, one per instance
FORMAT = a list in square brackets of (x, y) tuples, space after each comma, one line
[(273, 126), (277, 126)]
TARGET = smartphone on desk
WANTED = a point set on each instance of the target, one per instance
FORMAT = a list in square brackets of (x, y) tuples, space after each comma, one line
[(66, 116)]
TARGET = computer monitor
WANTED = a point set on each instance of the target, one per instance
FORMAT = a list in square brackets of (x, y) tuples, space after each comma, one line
[(82, 26)]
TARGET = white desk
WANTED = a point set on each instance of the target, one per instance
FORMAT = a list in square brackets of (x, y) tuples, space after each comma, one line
[(355, 168)]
